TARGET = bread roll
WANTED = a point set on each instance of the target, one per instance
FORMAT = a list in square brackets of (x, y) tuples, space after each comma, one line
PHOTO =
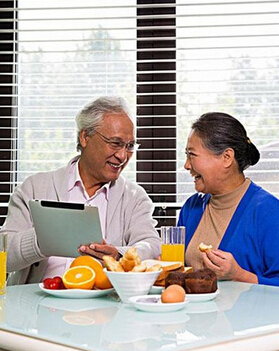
[(112, 265), (130, 259), (139, 268), (203, 247)]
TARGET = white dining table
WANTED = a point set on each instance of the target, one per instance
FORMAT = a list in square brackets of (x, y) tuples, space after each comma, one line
[(241, 317)]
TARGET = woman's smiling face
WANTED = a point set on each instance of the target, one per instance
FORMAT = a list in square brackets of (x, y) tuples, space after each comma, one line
[(205, 166)]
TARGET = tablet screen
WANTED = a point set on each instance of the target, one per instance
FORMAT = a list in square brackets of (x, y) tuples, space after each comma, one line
[(61, 227)]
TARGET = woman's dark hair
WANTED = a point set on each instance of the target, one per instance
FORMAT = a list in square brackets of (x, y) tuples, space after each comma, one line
[(220, 131)]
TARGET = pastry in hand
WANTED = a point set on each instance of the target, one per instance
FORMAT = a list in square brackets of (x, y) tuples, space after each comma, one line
[(203, 247)]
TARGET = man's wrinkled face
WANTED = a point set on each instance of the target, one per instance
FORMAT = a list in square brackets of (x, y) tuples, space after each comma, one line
[(102, 162)]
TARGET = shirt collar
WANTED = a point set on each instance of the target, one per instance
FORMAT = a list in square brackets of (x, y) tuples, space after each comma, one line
[(75, 180)]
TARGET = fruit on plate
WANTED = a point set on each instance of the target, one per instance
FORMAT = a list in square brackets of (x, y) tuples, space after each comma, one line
[(101, 279), (54, 283), (79, 277)]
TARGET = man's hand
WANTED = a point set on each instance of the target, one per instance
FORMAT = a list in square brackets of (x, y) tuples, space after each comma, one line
[(99, 250)]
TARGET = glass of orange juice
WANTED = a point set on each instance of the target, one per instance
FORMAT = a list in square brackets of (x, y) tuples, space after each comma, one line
[(173, 244), (3, 263)]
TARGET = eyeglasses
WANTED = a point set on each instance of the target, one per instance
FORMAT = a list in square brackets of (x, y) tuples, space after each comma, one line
[(115, 144)]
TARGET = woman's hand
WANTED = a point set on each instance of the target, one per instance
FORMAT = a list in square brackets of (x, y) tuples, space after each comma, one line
[(226, 267), (99, 250)]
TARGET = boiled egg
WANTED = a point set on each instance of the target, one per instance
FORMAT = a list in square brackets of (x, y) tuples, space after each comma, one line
[(173, 294)]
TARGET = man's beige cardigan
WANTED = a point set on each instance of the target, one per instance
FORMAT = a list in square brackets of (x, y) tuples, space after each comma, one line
[(129, 222)]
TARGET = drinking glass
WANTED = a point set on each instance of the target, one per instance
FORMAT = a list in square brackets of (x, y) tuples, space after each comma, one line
[(2, 309), (173, 244), (3, 263)]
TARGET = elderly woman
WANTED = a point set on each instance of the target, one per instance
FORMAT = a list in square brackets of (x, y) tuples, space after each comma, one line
[(237, 217)]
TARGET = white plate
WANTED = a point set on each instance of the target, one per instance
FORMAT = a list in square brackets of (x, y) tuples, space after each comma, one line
[(202, 297), (152, 303), (75, 293)]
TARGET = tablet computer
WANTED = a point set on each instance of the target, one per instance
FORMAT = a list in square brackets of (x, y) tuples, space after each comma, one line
[(61, 227)]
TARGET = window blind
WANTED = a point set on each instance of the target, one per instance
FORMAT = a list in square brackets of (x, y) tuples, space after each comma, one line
[(228, 60), (225, 58), (171, 60), (60, 54)]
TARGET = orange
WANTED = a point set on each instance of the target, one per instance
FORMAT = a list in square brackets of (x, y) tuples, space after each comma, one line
[(79, 277), (101, 280), (88, 261)]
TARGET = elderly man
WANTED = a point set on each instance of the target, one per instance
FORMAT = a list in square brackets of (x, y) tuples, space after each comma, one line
[(106, 140)]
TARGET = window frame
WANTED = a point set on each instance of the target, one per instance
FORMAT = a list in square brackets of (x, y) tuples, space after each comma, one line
[(6, 110)]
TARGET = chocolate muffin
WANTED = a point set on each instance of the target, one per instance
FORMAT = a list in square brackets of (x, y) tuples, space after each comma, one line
[(201, 282), (175, 278)]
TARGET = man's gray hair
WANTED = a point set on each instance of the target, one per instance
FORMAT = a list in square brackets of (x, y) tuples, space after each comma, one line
[(92, 115)]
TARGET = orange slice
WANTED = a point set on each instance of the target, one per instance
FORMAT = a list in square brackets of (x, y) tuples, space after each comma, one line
[(101, 279), (79, 277)]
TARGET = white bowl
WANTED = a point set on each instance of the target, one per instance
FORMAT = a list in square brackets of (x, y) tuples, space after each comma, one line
[(128, 284)]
